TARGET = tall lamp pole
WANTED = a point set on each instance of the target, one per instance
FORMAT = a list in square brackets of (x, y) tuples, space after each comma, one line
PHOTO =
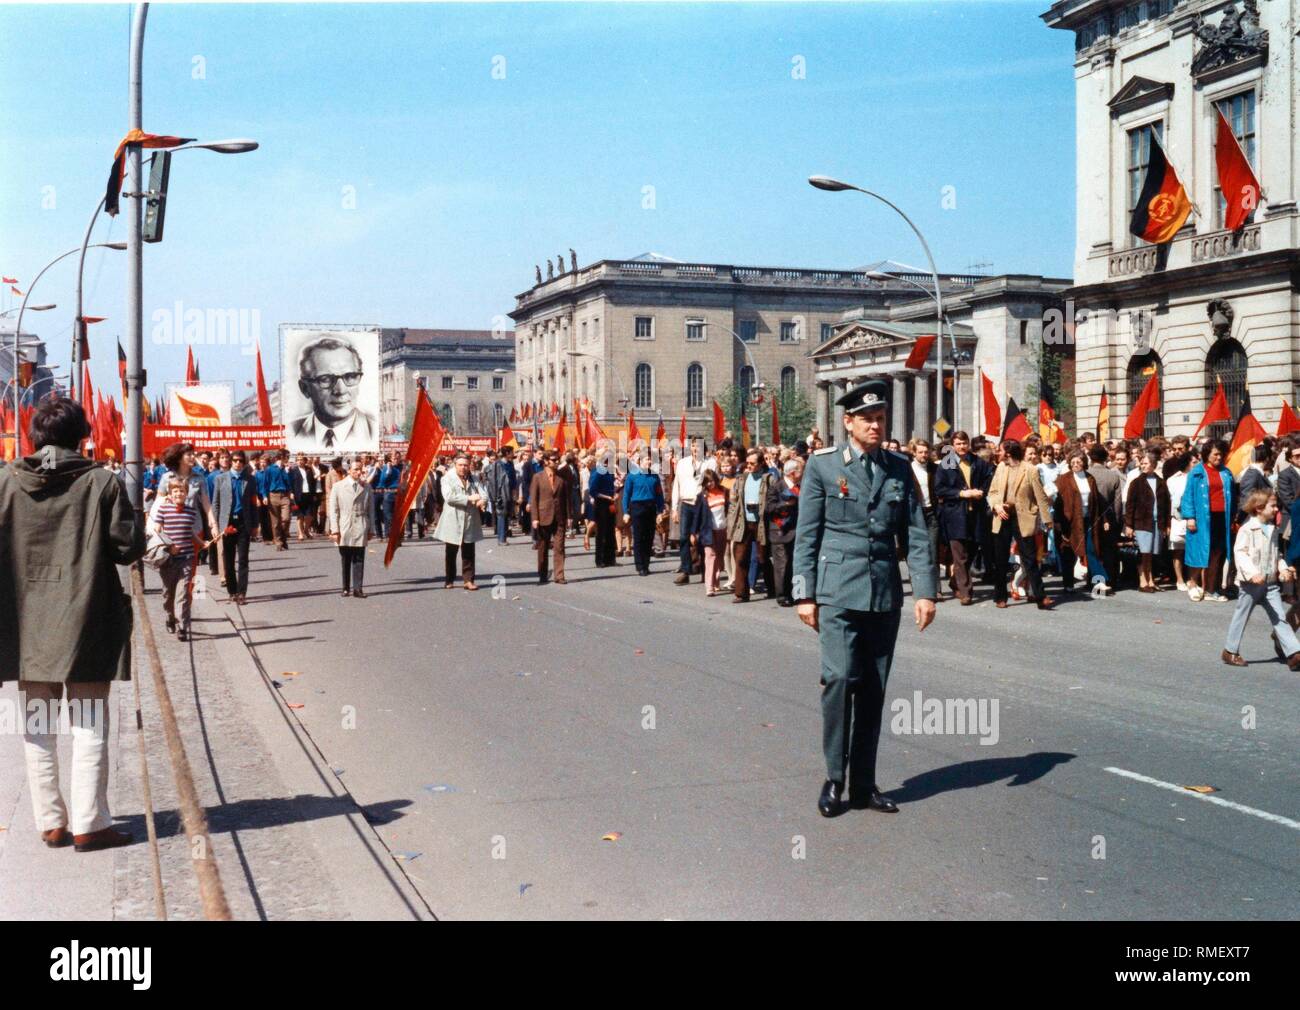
[(758, 385), (835, 186), (133, 450)]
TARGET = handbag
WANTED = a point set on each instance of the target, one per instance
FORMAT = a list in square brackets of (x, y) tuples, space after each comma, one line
[(157, 552)]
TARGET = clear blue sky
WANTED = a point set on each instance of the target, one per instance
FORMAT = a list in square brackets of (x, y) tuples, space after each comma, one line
[(464, 181)]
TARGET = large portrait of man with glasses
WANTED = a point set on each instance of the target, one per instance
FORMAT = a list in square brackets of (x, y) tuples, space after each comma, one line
[(337, 378)]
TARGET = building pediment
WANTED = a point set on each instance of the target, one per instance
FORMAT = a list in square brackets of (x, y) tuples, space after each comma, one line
[(855, 337), (1138, 93), (1236, 43)]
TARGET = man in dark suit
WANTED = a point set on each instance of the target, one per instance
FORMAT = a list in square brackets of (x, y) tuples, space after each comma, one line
[(781, 526), (1111, 486), (961, 484), (303, 486), (548, 507), (234, 503)]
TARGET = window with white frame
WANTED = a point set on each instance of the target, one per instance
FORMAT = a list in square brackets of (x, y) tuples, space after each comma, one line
[(473, 383), (644, 328), (498, 416), (1139, 157), (446, 382), (827, 330), (790, 332), (471, 416), (645, 386), (1239, 111), (498, 383), (694, 386), (749, 331), (695, 329)]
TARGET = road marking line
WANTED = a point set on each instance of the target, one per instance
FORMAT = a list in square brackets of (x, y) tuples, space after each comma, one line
[(1286, 822), (589, 613)]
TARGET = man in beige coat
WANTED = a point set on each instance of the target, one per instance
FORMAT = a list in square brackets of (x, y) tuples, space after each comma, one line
[(351, 525), (1018, 501)]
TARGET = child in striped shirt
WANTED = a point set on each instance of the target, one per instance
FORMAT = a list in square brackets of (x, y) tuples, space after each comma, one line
[(179, 522)]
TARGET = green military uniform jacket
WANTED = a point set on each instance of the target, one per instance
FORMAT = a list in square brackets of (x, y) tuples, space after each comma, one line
[(850, 534)]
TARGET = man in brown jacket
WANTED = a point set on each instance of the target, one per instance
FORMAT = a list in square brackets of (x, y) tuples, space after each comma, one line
[(548, 507), (65, 622), (1018, 501)]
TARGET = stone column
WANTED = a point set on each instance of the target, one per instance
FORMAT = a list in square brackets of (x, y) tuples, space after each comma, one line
[(898, 406), (836, 434), (922, 416), (822, 420)]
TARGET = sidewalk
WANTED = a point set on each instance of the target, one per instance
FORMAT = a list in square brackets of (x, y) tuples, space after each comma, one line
[(289, 840)]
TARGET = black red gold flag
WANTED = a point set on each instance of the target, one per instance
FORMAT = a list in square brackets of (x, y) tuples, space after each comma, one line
[(1162, 206), (149, 140)]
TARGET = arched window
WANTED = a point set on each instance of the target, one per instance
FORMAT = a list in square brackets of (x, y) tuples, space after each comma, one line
[(471, 417), (1140, 370), (645, 386), (694, 386), (1226, 362), (789, 378), (745, 380), (498, 416), (448, 417)]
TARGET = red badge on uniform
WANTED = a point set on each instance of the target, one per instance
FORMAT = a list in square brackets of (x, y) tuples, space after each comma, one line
[(844, 487)]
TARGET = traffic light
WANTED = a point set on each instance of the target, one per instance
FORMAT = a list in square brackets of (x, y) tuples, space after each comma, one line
[(155, 206)]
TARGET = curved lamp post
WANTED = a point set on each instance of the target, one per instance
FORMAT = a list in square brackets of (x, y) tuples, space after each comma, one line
[(758, 384), (836, 186), (18, 327)]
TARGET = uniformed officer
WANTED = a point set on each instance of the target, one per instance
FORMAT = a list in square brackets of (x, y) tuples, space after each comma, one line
[(857, 505)]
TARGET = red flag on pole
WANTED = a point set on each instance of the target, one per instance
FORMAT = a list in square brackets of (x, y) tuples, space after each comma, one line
[(263, 397), (1288, 422), (992, 409), (920, 351), (191, 367), (681, 431), (744, 430), (661, 434), (776, 424), (1147, 401), (1217, 410), (121, 369), (1236, 177), (559, 445), (147, 140), (1017, 426), (426, 438), (1248, 435), (633, 432), (719, 423)]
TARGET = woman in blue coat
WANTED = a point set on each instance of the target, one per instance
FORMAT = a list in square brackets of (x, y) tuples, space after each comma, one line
[(1207, 504)]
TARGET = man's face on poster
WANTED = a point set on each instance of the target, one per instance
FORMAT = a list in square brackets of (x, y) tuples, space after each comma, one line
[(330, 379)]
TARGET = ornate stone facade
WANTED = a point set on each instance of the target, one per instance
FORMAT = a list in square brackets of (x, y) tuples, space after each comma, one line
[(468, 374)]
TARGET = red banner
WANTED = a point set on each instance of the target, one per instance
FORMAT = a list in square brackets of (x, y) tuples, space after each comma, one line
[(475, 445), (250, 438)]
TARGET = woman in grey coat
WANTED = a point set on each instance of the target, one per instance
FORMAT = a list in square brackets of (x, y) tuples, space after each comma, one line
[(65, 621)]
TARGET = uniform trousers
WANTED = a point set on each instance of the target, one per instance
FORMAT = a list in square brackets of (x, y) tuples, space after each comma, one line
[(88, 716), (857, 648)]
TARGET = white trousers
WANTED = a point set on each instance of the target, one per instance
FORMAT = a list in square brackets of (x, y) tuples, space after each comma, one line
[(87, 712)]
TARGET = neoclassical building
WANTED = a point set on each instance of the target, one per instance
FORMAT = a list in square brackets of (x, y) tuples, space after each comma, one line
[(1209, 306), (998, 324), (468, 375), (653, 334)]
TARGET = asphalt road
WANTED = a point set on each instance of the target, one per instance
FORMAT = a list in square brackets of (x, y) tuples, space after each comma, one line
[(527, 722)]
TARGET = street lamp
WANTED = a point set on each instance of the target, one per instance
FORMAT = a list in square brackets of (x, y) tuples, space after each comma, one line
[(30, 308), (758, 385), (880, 275), (18, 326), (623, 400), (835, 186)]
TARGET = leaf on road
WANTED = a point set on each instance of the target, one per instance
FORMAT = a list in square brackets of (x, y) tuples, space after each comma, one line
[(523, 888), (612, 836), (1201, 789), (407, 857), (291, 673), (295, 704)]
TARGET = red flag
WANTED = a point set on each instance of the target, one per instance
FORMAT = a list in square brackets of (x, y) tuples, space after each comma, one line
[(593, 434), (9, 280), (719, 423), (559, 445), (1217, 410), (121, 368), (1249, 434), (776, 424), (1236, 177), (920, 351), (1149, 400), (199, 415), (1288, 422), (514, 415), (87, 394), (1017, 426), (15, 291), (661, 435), (992, 409), (148, 140), (1103, 415), (191, 367), (681, 431), (263, 397), (744, 430), (579, 426), (633, 432), (427, 435), (25, 447)]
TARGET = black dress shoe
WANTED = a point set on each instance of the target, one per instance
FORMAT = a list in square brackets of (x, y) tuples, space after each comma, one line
[(347, 592), (784, 601), (357, 594), (879, 801), (831, 801)]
